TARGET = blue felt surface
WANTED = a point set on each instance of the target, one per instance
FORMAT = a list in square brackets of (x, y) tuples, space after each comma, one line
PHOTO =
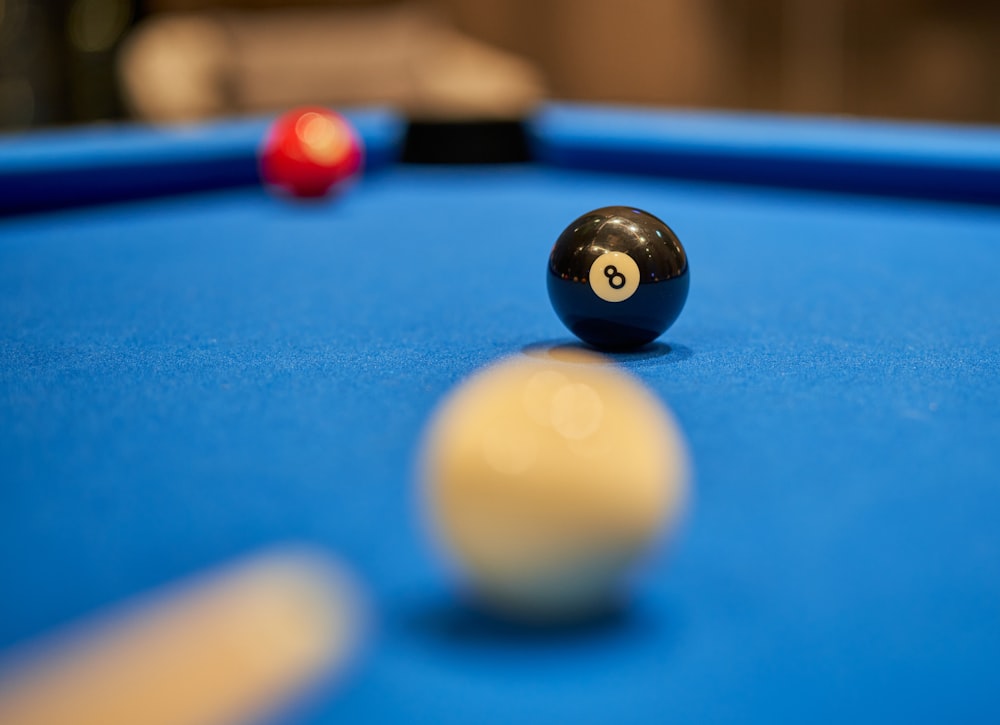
[(185, 380)]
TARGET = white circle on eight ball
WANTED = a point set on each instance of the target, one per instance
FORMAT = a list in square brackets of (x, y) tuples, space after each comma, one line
[(614, 276)]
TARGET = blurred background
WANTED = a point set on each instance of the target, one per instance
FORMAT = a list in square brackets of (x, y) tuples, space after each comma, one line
[(72, 61)]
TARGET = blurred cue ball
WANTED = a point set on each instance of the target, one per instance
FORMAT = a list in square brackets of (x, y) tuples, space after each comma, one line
[(309, 152), (545, 480)]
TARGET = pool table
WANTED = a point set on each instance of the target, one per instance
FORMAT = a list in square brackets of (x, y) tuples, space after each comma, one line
[(192, 369)]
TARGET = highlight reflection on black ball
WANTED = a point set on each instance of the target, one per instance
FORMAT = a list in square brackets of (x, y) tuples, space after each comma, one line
[(618, 277)]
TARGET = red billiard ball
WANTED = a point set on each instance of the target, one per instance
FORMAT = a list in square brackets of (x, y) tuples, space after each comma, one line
[(309, 151)]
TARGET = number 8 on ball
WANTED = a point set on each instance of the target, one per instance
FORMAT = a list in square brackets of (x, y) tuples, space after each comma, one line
[(618, 277)]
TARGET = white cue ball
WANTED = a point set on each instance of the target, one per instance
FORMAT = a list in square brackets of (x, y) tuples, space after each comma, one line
[(545, 480)]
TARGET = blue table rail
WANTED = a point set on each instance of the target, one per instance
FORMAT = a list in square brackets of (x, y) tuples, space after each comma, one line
[(53, 169)]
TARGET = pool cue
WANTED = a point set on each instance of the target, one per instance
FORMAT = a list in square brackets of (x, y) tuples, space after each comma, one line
[(224, 648)]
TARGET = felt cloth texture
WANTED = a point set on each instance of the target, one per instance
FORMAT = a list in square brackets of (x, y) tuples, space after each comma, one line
[(187, 379)]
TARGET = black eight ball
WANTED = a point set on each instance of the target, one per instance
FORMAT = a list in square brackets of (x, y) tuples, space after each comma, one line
[(618, 277)]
